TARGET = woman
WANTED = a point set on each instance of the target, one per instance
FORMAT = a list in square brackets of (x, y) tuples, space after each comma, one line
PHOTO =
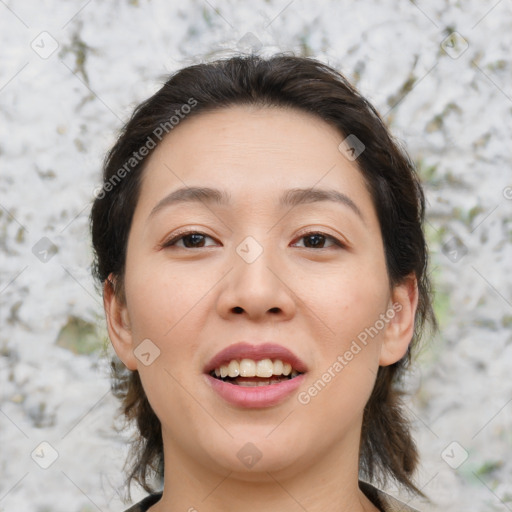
[(259, 241)]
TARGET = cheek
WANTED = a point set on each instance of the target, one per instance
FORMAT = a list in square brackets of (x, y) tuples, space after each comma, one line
[(346, 302), (349, 305), (161, 301), (169, 309), (348, 352)]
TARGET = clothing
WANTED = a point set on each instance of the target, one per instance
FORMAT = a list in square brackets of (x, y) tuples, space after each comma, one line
[(144, 504), (380, 499), (384, 501)]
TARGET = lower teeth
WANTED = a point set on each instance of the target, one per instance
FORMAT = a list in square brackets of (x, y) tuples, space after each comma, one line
[(267, 382), (256, 384)]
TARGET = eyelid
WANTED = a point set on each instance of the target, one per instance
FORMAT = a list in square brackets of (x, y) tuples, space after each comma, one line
[(337, 239), (180, 234)]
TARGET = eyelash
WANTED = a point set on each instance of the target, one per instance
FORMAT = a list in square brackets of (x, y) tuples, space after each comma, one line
[(183, 234)]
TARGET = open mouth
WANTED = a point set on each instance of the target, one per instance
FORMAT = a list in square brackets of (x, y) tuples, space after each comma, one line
[(251, 373)]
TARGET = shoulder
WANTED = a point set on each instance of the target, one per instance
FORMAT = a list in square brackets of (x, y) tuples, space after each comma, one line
[(144, 504), (383, 500)]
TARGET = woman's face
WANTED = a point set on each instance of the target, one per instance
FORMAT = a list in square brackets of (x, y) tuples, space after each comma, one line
[(304, 271)]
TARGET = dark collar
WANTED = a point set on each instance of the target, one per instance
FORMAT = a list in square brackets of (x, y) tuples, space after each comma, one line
[(380, 499)]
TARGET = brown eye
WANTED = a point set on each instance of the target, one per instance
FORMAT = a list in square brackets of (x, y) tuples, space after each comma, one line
[(317, 241), (190, 239)]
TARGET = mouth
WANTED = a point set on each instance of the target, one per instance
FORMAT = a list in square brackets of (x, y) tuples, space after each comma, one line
[(255, 376), (252, 373)]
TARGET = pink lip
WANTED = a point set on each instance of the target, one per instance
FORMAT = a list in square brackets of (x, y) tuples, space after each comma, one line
[(244, 350), (260, 396), (254, 397)]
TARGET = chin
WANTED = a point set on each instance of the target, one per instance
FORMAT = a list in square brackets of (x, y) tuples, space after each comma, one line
[(251, 457)]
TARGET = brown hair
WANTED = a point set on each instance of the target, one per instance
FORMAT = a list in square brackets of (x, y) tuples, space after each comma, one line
[(387, 448)]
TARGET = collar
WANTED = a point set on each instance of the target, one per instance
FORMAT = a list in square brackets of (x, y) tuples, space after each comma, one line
[(384, 501)]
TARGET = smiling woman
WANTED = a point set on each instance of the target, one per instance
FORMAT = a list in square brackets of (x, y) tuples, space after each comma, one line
[(264, 275)]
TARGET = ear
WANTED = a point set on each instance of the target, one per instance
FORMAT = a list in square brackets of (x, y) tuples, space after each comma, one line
[(400, 329), (118, 324)]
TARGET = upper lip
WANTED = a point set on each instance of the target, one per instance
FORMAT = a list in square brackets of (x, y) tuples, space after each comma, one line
[(245, 350)]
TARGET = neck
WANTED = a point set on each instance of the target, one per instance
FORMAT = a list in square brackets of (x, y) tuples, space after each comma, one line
[(328, 485)]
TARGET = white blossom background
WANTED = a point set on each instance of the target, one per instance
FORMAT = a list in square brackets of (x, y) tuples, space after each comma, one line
[(71, 73)]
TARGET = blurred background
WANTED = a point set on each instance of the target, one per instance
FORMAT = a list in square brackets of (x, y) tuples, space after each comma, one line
[(71, 72)]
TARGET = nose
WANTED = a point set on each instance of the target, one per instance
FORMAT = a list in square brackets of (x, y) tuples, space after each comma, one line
[(257, 289)]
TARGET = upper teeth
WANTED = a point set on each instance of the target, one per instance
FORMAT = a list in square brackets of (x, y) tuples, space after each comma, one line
[(251, 368)]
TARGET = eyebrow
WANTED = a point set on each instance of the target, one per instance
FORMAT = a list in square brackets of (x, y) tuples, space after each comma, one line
[(290, 198)]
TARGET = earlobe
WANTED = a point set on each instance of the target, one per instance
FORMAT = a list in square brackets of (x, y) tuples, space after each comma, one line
[(118, 325), (400, 329)]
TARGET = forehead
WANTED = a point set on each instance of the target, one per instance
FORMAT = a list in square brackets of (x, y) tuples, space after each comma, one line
[(254, 153)]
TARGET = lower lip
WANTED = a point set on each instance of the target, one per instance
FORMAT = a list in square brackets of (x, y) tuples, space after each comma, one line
[(255, 396)]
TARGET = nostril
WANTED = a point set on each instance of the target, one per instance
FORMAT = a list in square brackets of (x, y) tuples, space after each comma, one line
[(238, 310)]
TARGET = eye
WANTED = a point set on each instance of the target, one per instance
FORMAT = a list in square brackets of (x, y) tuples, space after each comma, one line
[(317, 240), (190, 239), (197, 240)]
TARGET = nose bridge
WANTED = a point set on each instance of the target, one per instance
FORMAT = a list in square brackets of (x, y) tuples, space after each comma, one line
[(250, 249), (252, 262), (254, 285)]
